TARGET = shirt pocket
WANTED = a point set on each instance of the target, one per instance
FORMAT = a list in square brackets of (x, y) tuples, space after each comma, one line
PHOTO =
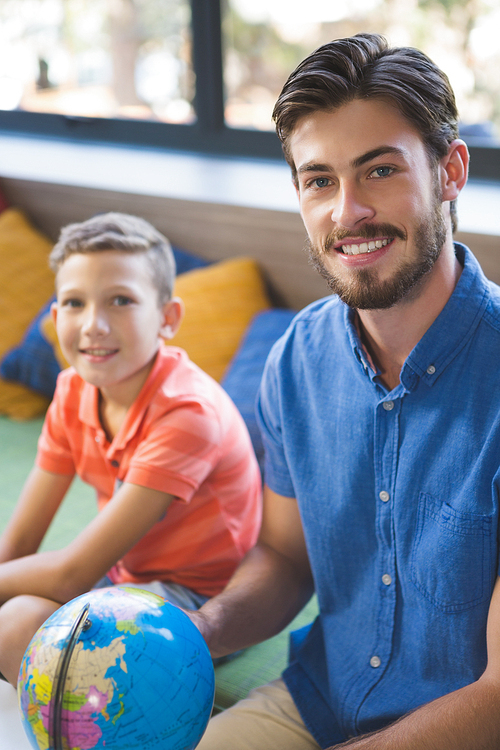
[(451, 561)]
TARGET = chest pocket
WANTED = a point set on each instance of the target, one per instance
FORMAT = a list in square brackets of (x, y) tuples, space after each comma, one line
[(451, 561)]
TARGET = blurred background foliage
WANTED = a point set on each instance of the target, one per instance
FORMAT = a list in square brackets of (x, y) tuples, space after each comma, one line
[(133, 58)]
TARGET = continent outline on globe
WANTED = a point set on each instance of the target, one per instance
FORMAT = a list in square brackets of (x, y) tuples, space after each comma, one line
[(141, 676)]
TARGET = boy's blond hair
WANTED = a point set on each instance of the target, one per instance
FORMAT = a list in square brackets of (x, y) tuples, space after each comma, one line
[(124, 232)]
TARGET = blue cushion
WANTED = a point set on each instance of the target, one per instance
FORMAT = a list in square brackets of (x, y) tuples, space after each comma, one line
[(187, 261), (243, 376), (33, 362)]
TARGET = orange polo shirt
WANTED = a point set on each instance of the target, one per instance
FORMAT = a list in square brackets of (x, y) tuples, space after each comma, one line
[(183, 436)]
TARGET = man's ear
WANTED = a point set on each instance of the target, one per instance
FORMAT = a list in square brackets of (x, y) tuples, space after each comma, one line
[(172, 312), (454, 170)]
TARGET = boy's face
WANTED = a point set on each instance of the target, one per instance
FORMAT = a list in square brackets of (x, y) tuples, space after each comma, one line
[(109, 320)]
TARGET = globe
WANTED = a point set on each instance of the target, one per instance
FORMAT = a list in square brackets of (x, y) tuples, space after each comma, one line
[(116, 668)]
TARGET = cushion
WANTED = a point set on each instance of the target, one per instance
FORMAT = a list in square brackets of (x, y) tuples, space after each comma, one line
[(37, 360), (26, 283), (49, 333), (220, 302), (242, 378), (3, 202), (33, 362), (185, 261)]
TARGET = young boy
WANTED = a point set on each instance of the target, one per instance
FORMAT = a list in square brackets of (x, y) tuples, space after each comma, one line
[(177, 482)]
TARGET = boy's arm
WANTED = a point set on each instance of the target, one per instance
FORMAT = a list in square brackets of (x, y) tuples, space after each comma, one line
[(270, 587), (63, 574), (38, 502)]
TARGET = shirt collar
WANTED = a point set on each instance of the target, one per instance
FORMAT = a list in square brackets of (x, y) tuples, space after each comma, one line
[(453, 327), (89, 403), (451, 330)]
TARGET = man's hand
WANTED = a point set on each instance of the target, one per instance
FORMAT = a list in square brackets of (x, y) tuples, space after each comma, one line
[(467, 719), (272, 584)]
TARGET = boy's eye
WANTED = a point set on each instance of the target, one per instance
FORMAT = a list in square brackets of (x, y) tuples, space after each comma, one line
[(121, 300), (382, 172), (72, 302)]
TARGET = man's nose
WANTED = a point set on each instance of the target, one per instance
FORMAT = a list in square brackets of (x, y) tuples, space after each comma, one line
[(351, 206)]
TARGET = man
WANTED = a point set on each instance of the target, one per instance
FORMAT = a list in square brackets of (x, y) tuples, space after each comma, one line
[(380, 412)]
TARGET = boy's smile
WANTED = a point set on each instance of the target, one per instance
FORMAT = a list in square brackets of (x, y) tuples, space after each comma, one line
[(109, 320), (98, 355)]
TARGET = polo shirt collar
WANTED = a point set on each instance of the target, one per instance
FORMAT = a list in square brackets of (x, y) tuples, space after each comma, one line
[(451, 330), (89, 402)]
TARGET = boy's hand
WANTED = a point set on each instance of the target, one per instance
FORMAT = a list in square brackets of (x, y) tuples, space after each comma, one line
[(38, 502), (61, 575)]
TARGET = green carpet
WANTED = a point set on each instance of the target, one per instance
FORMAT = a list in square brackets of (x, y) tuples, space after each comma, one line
[(17, 453), (259, 664)]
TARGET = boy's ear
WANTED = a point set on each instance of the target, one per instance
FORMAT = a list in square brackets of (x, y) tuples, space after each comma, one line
[(454, 170), (53, 312), (173, 312)]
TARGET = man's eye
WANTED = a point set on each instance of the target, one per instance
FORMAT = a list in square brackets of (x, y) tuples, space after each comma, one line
[(321, 182), (382, 171)]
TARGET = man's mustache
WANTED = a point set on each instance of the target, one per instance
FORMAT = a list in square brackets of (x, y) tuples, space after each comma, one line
[(367, 232)]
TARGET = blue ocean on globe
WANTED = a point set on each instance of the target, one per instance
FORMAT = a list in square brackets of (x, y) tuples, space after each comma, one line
[(140, 676)]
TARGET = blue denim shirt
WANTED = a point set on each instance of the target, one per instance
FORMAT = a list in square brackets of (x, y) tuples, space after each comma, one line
[(398, 494)]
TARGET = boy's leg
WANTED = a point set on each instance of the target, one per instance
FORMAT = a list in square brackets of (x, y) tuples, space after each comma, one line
[(20, 618), (172, 592), (175, 594), (267, 719)]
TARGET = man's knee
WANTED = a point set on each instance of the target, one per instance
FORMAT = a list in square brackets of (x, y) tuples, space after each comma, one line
[(266, 720)]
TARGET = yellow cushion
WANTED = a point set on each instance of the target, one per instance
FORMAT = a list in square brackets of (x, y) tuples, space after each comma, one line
[(220, 301), (49, 332), (26, 283)]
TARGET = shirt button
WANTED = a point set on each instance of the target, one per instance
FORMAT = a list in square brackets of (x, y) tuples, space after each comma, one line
[(115, 464), (384, 496), (431, 370), (386, 578), (388, 405), (375, 662)]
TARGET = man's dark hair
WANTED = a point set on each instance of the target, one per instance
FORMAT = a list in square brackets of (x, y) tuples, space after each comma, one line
[(365, 67)]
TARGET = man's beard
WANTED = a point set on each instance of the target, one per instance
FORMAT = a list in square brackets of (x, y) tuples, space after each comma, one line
[(363, 291)]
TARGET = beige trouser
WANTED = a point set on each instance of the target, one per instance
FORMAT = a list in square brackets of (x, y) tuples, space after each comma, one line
[(266, 719)]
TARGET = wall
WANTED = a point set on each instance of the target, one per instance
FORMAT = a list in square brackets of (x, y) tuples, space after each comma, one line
[(212, 230)]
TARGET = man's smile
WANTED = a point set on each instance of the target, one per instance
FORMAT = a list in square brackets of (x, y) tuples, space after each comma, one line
[(359, 248)]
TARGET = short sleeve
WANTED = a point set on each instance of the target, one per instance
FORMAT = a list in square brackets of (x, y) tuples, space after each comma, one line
[(179, 450), (54, 451), (269, 418)]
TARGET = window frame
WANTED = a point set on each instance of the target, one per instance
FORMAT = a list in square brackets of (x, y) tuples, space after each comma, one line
[(208, 134)]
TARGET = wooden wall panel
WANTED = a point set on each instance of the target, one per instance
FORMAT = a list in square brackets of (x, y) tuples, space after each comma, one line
[(214, 231), (486, 248)]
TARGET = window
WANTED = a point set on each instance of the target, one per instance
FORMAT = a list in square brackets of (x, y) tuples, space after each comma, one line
[(121, 58), (204, 74)]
